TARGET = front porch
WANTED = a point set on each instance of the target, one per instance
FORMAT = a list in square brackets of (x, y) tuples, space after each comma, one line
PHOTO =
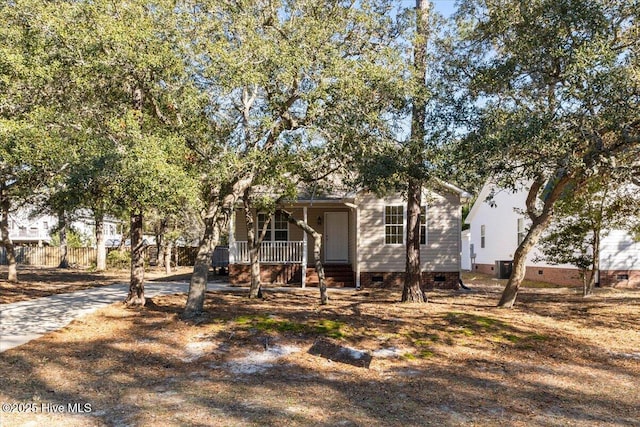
[(286, 255)]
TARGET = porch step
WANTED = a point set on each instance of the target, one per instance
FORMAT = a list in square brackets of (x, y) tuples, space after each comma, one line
[(336, 275)]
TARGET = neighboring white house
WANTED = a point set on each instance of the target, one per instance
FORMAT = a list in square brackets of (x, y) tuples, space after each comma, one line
[(498, 225), (465, 255), (363, 240), (28, 229)]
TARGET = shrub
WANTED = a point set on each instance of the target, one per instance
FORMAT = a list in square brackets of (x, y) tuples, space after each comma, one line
[(119, 259)]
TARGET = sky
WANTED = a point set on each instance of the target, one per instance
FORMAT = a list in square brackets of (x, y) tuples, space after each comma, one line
[(445, 7)]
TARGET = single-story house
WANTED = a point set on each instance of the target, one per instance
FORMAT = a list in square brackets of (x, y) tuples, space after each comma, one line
[(363, 240), (498, 225)]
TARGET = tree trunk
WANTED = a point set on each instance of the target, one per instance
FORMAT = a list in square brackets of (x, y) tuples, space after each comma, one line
[(136, 286), (254, 241), (160, 241), (317, 251), (6, 239), (253, 244), (198, 283), (539, 224), (412, 290), (101, 250), (62, 227), (216, 219), (168, 248), (510, 292), (595, 264)]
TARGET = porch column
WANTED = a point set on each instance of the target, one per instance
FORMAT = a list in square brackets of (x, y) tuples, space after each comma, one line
[(357, 227), (305, 250), (232, 237)]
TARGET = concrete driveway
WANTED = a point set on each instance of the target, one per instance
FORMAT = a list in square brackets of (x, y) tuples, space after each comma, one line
[(24, 321)]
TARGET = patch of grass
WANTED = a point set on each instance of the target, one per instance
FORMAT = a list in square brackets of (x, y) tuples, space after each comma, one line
[(422, 354), (538, 337), (512, 338), (425, 354), (269, 324), (328, 328), (243, 320), (331, 328), (475, 322)]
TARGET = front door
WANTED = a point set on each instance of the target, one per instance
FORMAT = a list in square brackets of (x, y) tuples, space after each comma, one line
[(336, 237)]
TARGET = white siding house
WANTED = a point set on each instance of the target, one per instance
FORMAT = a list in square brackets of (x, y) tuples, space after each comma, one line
[(27, 228), (498, 225)]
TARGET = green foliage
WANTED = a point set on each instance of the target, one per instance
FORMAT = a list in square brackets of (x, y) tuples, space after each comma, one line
[(81, 62), (75, 239), (555, 85), (596, 208), (119, 259), (309, 84)]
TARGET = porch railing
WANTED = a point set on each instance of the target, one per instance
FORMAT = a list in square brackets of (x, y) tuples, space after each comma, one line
[(270, 252)]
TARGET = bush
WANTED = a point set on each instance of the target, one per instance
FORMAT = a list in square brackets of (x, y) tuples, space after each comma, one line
[(119, 259)]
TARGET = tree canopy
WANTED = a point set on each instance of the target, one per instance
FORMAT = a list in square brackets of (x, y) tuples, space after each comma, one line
[(556, 86)]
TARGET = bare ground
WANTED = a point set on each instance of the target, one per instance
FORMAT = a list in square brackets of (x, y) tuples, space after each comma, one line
[(556, 359)]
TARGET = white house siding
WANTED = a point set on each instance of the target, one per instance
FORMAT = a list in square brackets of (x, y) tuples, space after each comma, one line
[(500, 219), (24, 227), (440, 254), (500, 224), (618, 251), (465, 252)]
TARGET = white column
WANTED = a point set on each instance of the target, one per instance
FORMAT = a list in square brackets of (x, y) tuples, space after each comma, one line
[(305, 249), (357, 266), (232, 237)]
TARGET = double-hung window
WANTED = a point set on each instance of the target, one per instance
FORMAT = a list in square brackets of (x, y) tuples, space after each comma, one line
[(482, 236), (277, 229), (394, 225), (394, 222)]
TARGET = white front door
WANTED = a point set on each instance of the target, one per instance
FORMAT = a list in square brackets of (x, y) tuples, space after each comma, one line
[(336, 237)]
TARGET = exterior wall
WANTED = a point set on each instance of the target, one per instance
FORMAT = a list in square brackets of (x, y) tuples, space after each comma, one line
[(484, 269), (430, 280), (500, 219), (440, 254), (620, 278), (618, 251), (554, 275)]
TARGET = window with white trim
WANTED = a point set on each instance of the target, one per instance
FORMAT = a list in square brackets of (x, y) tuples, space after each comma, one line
[(394, 225), (482, 236), (277, 229)]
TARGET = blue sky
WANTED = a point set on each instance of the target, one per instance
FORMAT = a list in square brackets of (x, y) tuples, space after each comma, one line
[(445, 7)]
